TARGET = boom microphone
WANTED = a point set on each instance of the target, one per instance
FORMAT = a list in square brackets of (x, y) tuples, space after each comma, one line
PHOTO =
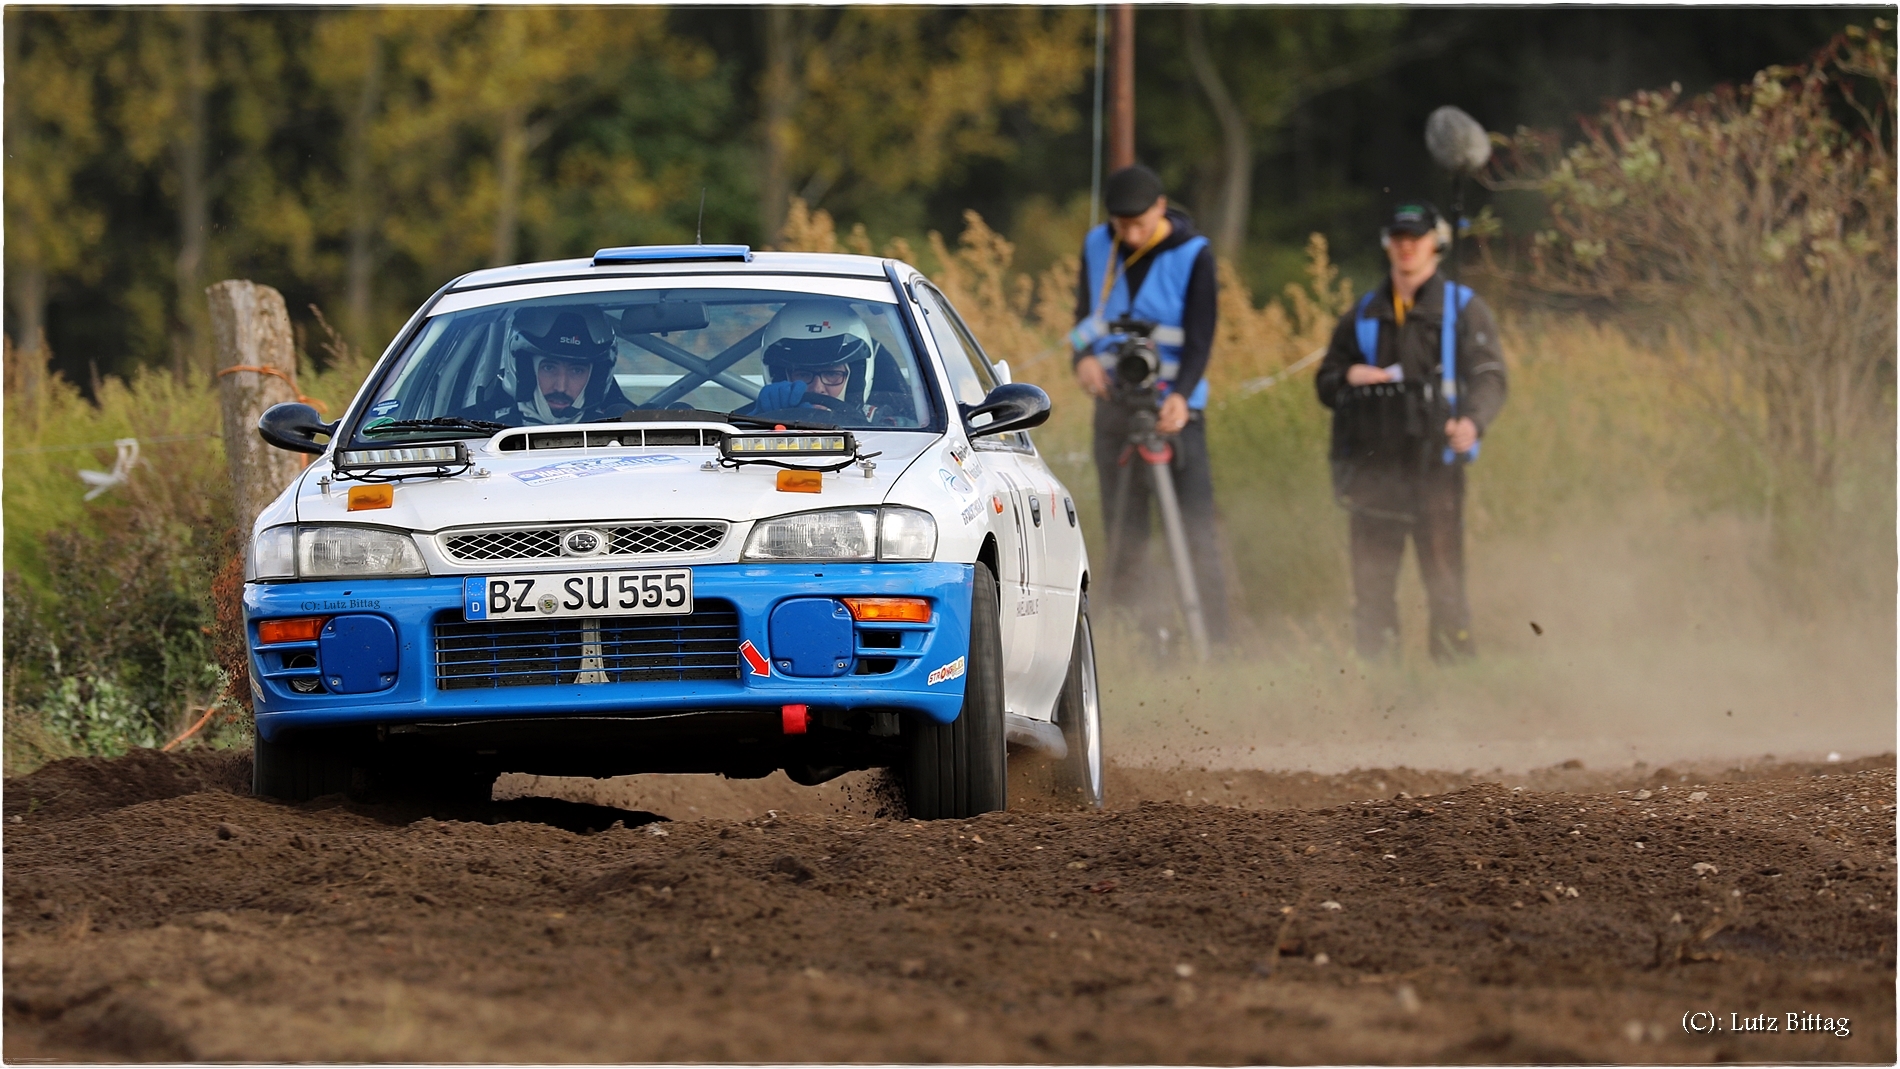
[(1457, 141)]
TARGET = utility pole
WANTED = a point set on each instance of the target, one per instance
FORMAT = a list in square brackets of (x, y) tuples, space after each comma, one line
[(1121, 100)]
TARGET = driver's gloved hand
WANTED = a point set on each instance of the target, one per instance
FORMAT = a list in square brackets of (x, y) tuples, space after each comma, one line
[(778, 395)]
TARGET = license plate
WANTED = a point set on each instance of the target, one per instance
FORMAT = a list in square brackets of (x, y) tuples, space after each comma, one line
[(661, 592)]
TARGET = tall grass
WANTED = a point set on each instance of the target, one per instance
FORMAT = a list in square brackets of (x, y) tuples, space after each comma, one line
[(111, 632)]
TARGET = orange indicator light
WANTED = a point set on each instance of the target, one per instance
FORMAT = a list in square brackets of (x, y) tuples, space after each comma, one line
[(889, 610), (295, 629), (372, 497), (801, 482)]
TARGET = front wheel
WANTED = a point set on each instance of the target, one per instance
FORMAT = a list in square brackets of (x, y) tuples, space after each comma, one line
[(1079, 715), (294, 769), (960, 769)]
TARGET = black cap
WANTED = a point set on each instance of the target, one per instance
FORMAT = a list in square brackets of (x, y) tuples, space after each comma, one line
[(569, 339), (1131, 191), (1415, 218)]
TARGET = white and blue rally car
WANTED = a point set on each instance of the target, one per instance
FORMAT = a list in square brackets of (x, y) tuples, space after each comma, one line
[(674, 509)]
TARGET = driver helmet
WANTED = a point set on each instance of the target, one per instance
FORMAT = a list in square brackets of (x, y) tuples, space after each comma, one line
[(815, 334), (566, 336)]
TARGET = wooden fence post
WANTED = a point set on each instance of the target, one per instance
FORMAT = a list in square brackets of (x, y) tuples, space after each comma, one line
[(257, 368)]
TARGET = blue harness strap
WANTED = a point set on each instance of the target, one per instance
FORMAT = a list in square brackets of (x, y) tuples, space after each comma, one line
[(1366, 329), (1448, 360)]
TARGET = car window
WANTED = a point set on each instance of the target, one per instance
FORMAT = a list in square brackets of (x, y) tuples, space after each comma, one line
[(595, 356), (971, 375)]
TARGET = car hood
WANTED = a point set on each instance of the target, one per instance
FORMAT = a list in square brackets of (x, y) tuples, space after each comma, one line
[(602, 484)]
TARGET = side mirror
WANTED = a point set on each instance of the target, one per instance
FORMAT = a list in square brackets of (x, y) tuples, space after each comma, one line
[(294, 426), (1015, 406)]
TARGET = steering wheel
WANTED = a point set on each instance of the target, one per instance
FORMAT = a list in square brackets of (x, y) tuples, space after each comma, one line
[(822, 400)]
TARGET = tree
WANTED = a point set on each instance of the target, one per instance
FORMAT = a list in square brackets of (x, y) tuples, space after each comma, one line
[(1758, 222), (1257, 67), (500, 81), (163, 83), (867, 105), (350, 58), (52, 134)]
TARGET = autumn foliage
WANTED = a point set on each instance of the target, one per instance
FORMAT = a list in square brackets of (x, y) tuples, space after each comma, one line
[(1757, 224)]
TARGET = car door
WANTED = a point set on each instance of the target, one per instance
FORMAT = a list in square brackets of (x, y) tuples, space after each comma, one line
[(1059, 567), (1040, 611), (993, 465)]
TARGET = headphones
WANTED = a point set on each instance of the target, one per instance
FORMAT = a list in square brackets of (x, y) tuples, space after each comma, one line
[(1441, 230)]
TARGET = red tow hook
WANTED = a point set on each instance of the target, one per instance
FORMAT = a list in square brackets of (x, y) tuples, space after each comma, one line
[(795, 719)]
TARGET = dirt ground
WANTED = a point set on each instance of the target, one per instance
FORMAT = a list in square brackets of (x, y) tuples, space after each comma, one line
[(155, 911)]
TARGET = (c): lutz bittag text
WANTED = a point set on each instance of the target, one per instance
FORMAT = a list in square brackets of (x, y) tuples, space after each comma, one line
[(1705, 1021)]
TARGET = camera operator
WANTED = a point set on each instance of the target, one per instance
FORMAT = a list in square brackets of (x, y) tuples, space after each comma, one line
[(1403, 431), (1148, 263)]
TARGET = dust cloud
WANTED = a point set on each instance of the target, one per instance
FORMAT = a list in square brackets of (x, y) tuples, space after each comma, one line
[(1660, 638)]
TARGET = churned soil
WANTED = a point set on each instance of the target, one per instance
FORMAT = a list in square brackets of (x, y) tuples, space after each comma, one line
[(155, 911)]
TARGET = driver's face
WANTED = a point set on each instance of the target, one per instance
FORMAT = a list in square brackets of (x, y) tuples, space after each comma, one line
[(829, 381), (562, 381)]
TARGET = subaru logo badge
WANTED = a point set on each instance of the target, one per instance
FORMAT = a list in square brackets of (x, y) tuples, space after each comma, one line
[(583, 543)]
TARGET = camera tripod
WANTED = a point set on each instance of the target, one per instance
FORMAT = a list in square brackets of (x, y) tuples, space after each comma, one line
[(1156, 452)]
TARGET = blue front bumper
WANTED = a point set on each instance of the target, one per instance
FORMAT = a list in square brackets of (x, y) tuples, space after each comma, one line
[(407, 674)]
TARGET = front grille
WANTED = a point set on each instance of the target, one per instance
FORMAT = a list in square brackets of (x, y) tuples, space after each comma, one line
[(611, 649), (639, 539)]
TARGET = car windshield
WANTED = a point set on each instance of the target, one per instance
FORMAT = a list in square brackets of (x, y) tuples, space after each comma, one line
[(600, 357)]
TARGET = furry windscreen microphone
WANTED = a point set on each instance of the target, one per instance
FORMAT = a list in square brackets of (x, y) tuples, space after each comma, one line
[(1456, 140)]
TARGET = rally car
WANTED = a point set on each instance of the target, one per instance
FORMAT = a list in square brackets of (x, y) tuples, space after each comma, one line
[(674, 509)]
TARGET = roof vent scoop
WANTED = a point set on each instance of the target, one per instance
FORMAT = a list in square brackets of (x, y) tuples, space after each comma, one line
[(662, 254)]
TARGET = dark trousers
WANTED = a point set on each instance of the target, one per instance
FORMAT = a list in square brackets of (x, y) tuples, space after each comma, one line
[(1133, 579), (1436, 527)]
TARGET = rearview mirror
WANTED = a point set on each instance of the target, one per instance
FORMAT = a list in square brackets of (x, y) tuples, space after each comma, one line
[(660, 317), (1014, 406), (294, 426)]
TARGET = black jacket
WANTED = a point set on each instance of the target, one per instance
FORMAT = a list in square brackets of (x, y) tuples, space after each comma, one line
[(1387, 439), (1198, 317)]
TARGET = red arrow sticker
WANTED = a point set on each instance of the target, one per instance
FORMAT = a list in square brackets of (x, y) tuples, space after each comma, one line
[(754, 659)]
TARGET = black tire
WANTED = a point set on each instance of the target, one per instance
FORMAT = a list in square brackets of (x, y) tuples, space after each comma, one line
[(1079, 715), (450, 781), (961, 769), (297, 770)]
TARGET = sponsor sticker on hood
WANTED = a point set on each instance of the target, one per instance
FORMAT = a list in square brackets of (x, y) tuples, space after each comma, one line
[(586, 469)]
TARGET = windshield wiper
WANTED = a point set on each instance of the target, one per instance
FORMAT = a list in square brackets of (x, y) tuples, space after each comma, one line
[(439, 423), (788, 424), (689, 415)]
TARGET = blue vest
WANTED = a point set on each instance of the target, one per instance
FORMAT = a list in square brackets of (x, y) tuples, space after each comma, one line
[(1161, 300), (1366, 328)]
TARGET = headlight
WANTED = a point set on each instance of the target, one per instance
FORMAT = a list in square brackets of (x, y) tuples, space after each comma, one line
[(273, 554), (333, 552), (841, 535), (907, 534), (847, 534)]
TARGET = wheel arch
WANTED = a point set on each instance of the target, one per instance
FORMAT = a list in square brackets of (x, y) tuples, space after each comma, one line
[(990, 554)]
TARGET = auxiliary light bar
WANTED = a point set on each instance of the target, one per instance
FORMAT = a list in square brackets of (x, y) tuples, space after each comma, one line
[(747, 446), (397, 461)]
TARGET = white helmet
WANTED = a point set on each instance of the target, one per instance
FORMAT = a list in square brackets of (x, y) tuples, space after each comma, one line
[(815, 333)]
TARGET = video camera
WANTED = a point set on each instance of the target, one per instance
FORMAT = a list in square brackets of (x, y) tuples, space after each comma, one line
[(1135, 360)]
